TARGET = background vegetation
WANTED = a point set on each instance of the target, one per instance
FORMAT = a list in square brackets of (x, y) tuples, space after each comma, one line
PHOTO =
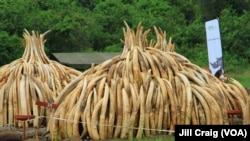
[(96, 25)]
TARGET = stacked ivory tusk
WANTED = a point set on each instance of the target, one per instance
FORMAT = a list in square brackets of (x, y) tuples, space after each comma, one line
[(32, 77), (148, 86)]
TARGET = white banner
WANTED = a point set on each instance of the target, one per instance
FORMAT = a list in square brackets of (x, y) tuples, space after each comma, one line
[(214, 46)]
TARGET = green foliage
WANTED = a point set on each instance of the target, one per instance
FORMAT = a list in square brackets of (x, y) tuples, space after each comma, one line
[(197, 55), (232, 62), (235, 33), (157, 13), (89, 4), (211, 9), (10, 48), (87, 50), (14, 14), (64, 18), (113, 48), (191, 42), (110, 15), (96, 25)]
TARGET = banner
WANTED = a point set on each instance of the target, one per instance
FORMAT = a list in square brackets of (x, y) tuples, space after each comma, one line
[(214, 47)]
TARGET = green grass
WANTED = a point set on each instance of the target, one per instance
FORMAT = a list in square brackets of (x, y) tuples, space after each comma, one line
[(153, 138), (242, 76), (162, 138)]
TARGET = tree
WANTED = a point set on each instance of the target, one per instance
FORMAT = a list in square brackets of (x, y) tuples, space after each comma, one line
[(212, 8), (10, 48), (235, 33), (111, 14), (86, 25)]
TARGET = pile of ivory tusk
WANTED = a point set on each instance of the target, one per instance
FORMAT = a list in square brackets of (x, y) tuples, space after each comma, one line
[(145, 91), (32, 77)]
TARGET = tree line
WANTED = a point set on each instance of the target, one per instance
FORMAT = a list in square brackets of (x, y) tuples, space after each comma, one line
[(96, 25)]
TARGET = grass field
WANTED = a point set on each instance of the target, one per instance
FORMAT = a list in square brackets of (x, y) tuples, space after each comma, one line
[(153, 138), (164, 138), (241, 76)]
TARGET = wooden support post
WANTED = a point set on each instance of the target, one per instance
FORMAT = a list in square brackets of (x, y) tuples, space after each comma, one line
[(232, 113), (24, 118)]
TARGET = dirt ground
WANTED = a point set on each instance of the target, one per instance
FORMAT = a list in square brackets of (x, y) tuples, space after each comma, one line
[(32, 134)]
